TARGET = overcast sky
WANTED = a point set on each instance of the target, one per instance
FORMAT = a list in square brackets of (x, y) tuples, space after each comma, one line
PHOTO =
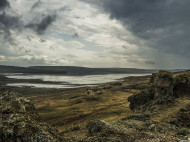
[(95, 33)]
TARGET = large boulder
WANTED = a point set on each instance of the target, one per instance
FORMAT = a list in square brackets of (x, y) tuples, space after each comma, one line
[(161, 86), (182, 86), (159, 91), (138, 101), (100, 131), (20, 122), (101, 128)]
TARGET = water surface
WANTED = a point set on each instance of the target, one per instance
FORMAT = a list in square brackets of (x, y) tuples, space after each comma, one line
[(68, 81)]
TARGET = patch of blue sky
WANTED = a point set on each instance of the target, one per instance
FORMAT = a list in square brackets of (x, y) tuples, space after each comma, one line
[(88, 45)]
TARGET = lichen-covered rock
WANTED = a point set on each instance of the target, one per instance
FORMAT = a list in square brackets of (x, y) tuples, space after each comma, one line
[(161, 86), (20, 122), (137, 101), (100, 131), (99, 127), (182, 86), (160, 90)]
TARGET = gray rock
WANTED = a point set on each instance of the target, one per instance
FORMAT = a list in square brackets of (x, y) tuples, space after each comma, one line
[(182, 86), (20, 122), (159, 91), (100, 131)]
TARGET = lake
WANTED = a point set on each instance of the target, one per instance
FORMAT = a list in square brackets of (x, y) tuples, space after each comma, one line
[(62, 81)]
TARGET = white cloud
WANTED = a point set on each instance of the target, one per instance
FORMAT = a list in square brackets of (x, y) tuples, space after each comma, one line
[(115, 46)]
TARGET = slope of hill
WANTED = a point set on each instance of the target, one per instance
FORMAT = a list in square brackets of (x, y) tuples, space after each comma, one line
[(70, 70), (73, 70), (30, 70)]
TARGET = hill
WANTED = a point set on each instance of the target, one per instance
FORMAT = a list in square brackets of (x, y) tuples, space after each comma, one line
[(30, 70), (71, 70)]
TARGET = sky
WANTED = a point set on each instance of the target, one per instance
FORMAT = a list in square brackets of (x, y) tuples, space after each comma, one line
[(151, 34)]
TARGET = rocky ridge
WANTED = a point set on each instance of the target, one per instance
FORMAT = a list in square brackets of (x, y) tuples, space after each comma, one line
[(163, 90)]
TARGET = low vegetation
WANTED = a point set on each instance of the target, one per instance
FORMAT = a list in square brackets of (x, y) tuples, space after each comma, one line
[(71, 110)]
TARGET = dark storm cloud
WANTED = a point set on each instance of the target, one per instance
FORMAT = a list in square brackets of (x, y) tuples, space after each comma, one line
[(7, 23), (164, 24), (41, 26), (4, 4)]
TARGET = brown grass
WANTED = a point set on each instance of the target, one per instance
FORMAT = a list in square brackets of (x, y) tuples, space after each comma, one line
[(72, 109)]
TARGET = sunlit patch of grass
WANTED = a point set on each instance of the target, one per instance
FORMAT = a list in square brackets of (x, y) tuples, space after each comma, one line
[(70, 110), (66, 113)]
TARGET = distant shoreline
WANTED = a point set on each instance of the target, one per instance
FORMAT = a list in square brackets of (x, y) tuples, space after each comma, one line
[(71, 70), (37, 81)]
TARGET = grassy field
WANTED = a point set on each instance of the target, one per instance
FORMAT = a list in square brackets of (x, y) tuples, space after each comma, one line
[(71, 109)]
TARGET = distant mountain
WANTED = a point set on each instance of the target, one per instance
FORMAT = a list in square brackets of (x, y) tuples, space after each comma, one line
[(30, 70), (71, 70), (74, 70)]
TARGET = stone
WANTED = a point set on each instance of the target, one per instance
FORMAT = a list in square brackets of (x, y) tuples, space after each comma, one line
[(159, 91), (19, 121), (161, 86), (182, 86), (100, 131), (137, 101), (99, 127)]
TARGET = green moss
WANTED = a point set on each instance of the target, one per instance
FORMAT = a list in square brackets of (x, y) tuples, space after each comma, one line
[(183, 131), (181, 80)]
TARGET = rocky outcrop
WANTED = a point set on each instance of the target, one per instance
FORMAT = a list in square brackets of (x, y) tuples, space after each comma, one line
[(161, 86), (182, 86), (147, 124), (119, 131), (20, 122), (140, 101), (100, 131), (160, 90)]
